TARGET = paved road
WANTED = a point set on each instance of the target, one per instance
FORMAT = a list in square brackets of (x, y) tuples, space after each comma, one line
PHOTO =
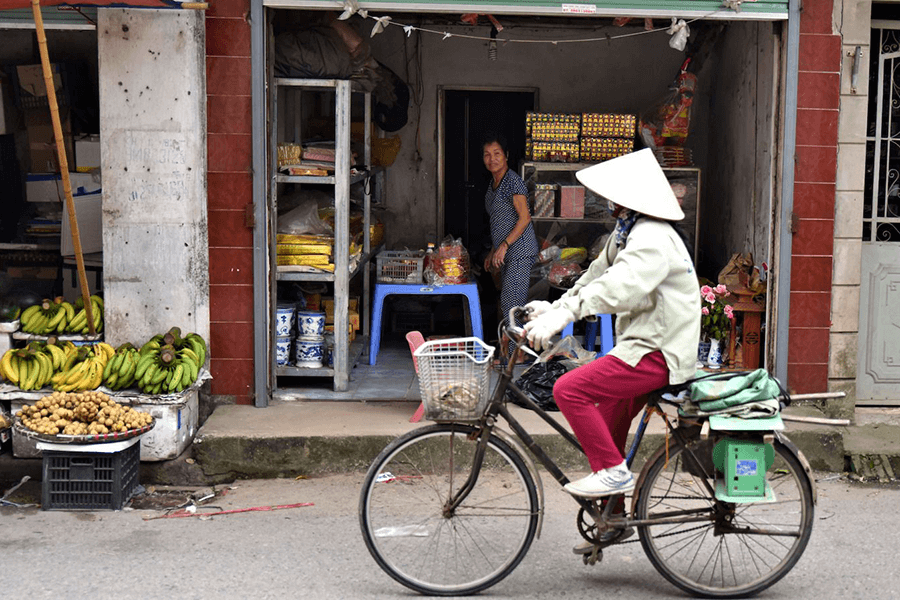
[(317, 552)]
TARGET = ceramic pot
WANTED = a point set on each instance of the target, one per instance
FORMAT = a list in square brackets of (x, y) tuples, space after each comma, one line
[(310, 323), (703, 352), (284, 319), (715, 358), (308, 351), (282, 350)]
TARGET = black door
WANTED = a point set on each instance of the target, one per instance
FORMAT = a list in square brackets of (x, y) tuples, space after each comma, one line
[(469, 116)]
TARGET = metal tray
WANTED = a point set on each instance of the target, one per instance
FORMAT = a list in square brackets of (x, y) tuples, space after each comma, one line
[(98, 438)]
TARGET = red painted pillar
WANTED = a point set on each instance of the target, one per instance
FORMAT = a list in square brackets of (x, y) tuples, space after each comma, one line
[(818, 107), (229, 148)]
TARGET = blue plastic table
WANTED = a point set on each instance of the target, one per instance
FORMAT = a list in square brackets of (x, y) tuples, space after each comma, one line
[(469, 290)]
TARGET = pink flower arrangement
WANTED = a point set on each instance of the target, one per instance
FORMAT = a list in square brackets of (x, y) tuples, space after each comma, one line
[(714, 324)]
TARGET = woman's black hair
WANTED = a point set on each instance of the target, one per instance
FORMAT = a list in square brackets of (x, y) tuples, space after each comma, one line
[(499, 138)]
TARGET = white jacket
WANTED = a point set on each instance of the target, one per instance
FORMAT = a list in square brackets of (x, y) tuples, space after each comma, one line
[(652, 288)]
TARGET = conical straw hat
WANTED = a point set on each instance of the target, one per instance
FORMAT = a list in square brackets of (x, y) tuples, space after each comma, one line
[(634, 181)]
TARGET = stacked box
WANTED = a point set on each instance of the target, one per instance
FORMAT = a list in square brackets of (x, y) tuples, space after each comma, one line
[(552, 136), (598, 149), (605, 136), (571, 202), (545, 199), (305, 250)]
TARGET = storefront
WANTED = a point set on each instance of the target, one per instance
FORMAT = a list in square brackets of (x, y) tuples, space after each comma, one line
[(560, 58)]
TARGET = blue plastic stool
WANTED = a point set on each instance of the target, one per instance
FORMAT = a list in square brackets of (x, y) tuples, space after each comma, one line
[(469, 290), (590, 334)]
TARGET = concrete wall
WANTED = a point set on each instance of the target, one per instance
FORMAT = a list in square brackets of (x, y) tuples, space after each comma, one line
[(153, 151)]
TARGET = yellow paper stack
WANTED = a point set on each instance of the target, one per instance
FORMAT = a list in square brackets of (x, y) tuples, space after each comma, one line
[(305, 250)]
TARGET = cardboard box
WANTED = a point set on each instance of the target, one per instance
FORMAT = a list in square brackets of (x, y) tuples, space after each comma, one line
[(32, 272), (354, 320), (571, 201), (89, 212), (33, 88), (42, 143), (48, 187), (87, 153)]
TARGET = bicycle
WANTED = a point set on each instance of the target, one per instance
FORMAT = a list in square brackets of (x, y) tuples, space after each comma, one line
[(452, 508)]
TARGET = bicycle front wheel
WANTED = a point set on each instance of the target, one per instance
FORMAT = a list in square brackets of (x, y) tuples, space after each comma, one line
[(737, 549), (413, 536)]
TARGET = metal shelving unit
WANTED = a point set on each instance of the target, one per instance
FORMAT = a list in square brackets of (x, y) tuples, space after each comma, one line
[(345, 354), (687, 177)]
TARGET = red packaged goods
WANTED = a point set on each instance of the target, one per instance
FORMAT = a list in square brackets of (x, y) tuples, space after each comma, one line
[(571, 201)]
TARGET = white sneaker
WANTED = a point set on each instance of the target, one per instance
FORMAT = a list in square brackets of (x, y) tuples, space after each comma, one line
[(606, 482)]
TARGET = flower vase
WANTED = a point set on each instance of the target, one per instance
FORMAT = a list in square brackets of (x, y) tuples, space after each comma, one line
[(702, 352), (715, 358)]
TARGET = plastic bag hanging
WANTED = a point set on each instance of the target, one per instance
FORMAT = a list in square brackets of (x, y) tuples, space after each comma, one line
[(679, 31)]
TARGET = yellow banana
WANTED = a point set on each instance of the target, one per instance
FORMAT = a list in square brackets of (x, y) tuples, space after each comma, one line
[(33, 371), (29, 313), (56, 319), (109, 350), (23, 373), (57, 354), (175, 383), (76, 372), (46, 369), (7, 367)]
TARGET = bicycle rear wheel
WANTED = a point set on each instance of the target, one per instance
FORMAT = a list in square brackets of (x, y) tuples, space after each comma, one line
[(739, 549), (412, 536)]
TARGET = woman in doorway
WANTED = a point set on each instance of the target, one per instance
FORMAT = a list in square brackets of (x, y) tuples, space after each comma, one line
[(514, 245)]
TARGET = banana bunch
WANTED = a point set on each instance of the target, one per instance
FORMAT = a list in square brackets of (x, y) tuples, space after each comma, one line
[(48, 317), (30, 368), (121, 368), (84, 369), (78, 323), (169, 362)]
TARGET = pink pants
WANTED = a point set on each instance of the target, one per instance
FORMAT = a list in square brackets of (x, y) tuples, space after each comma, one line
[(601, 398)]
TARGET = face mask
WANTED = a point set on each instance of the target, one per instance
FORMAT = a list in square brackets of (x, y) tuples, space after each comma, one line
[(611, 207)]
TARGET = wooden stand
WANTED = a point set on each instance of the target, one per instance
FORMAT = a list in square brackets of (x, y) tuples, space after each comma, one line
[(750, 348)]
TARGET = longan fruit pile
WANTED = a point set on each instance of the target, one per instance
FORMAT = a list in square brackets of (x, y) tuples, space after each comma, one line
[(82, 413)]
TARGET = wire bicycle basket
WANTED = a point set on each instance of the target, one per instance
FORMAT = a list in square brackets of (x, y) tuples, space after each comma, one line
[(454, 378)]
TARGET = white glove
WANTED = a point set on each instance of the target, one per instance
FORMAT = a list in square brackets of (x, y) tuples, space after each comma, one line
[(537, 308), (540, 330)]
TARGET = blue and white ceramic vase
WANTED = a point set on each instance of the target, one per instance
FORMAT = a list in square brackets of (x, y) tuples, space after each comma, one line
[(282, 350), (310, 323), (308, 351), (715, 358), (284, 319)]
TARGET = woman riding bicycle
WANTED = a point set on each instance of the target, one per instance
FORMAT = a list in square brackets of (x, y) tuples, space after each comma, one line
[(645, 276)]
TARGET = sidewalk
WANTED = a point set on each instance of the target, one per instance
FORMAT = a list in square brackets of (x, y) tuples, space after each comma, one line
[(313, 431)]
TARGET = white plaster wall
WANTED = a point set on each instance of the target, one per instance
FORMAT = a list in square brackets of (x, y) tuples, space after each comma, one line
[(153, 153), (853, 22)]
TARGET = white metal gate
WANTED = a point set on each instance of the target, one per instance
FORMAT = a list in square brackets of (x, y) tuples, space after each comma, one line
[(878, 374)]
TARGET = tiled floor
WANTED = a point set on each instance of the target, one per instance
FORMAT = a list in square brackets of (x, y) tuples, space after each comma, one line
[(393, 378)]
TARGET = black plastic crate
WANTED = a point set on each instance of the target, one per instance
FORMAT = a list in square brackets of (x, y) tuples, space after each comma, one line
[(89, 480)]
